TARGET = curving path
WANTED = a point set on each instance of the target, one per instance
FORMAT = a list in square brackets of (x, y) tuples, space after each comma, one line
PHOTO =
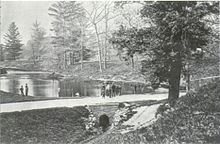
[(145, 116), (21, 106)]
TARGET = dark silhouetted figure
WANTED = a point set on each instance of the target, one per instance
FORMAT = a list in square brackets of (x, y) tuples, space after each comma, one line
[(113, 93), (118, 90), (108, 90), (104, 122), (26, 90), (135, 89), (22, 90), (103, 90)]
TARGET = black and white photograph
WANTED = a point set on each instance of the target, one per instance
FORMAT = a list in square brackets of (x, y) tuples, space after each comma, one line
[(109, 72)]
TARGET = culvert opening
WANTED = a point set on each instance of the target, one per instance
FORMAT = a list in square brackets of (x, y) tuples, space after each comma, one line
[(104, 122)]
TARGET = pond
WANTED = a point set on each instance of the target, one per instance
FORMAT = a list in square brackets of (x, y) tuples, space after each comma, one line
[(41, 85)]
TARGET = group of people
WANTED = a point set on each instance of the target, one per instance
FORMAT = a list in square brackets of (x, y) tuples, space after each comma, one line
[(22, 90), (138, 89), (110, 89)]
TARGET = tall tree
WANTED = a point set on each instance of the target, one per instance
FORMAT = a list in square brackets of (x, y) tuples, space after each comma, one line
[(179, 28), (174, 31), (131, 41), (99, 16), (84, 26), (37, 37), (95, 17), (13, 42), (130, 13), (66, 28), (109, 15)]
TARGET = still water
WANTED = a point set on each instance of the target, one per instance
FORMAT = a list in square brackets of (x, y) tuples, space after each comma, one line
[(41, 85)]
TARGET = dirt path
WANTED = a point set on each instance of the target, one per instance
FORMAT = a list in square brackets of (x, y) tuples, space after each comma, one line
[(145, 116), (21, 106)]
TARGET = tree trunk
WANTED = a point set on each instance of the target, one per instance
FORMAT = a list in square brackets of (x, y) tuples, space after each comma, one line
[(81, 44), (106, 34), (219, 57), (132, 61), (64, 59), (187, 78), (174, 80), (33, 54), (99, 48), (105, 54), (71, 58)]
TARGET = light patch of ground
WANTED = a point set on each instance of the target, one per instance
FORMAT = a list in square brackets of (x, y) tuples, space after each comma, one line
[(145, 116), (21, 106)]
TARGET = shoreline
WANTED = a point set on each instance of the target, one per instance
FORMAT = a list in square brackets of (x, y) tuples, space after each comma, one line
[(7, 97)]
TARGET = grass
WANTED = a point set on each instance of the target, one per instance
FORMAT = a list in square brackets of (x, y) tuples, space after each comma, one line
[(115, 70), (47, 126), (6, 97), (59, 125), (194, 119), (52, 126)]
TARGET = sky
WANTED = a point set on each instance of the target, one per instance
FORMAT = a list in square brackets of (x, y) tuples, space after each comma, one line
[(24, 14)]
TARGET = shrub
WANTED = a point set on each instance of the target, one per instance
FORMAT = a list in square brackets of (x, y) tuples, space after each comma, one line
[(194, 119)]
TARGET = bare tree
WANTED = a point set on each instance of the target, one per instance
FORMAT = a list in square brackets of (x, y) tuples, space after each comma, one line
[(83, 23), (95, 17), (102, 12)]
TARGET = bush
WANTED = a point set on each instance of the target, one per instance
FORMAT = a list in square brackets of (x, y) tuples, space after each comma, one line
[(194, 119)]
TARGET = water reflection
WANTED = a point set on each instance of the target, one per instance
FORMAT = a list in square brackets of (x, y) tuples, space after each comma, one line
[(4, 84), (40, 85), (51, 88), (83, 88)]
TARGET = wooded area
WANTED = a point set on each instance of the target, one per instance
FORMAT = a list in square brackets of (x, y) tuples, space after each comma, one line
[(168, 38)]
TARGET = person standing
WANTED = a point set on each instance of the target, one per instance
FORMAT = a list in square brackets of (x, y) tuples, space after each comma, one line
[(103, 90), (108, 90), (22, 90), (113, 90), (135, 89), (118, 90), (26, 90)]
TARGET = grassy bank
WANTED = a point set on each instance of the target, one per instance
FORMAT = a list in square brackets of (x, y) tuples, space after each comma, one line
[(194, 119), (48, 126), (115, 70), (55, 125), (6, 97)]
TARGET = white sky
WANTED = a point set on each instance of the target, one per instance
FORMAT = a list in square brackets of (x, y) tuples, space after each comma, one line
[(24, 13)]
